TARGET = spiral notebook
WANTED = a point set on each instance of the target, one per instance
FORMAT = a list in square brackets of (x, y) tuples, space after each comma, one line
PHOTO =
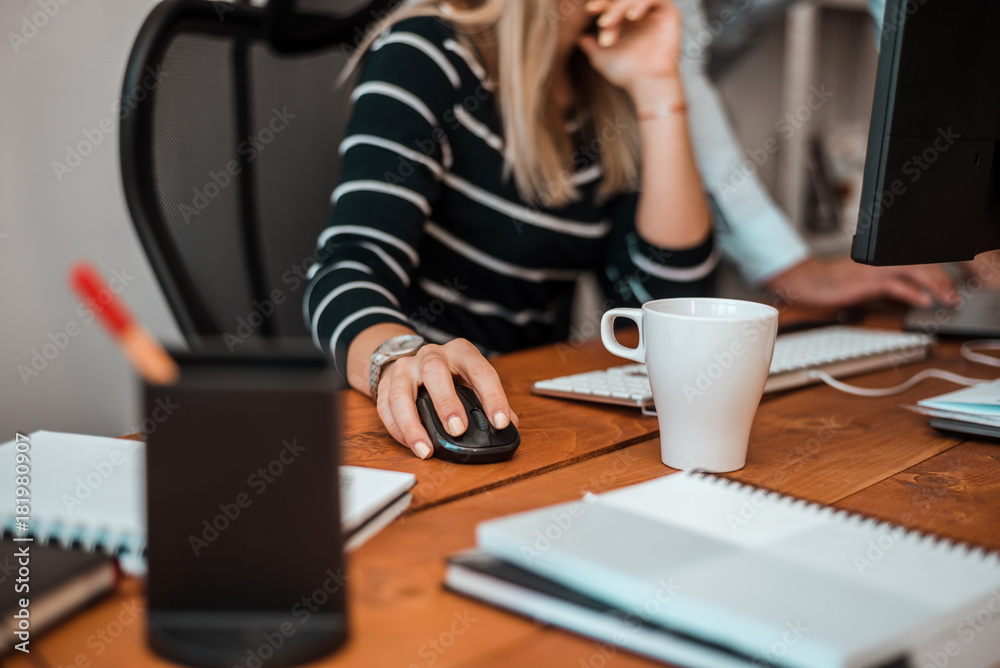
[(702, 571), (88, 492)]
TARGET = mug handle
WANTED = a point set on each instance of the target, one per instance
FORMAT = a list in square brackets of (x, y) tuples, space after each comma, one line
[(637, 354)]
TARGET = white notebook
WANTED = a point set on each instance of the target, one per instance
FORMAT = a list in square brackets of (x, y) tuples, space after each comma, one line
[(370, 499), (89, 491), (979, 403), (766, 579)]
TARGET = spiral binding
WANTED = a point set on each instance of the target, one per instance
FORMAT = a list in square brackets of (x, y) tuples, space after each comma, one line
[(912, 535), (127, 549)]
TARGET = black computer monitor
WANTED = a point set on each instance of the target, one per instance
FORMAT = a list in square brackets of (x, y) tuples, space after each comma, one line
[(931, 189)]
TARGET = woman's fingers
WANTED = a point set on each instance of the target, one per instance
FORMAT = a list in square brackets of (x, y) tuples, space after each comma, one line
[(385, 414), (935, 280), (609, 23), (614, 14), (907, 292), (640, 9), (401, 405), (470, 364), (597, 6), (436, 375), (435, 367)]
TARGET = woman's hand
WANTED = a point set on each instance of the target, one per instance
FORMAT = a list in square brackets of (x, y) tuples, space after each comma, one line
[(436, 368), (841, 282), (638, 41)]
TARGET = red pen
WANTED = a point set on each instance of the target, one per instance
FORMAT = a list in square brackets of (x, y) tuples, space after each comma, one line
[(142, 350)]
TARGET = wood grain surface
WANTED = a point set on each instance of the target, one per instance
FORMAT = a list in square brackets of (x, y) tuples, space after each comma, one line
[(865, 455)]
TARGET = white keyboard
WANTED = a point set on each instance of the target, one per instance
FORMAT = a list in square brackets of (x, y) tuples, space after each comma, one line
[(839, 351)]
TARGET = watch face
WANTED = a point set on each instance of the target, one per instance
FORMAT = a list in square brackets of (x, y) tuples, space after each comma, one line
[(403, 344)]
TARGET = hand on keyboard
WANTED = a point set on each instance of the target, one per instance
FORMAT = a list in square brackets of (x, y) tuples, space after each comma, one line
[(842, 282)]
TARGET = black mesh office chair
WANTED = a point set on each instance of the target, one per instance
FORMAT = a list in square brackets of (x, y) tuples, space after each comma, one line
[(229, 137)]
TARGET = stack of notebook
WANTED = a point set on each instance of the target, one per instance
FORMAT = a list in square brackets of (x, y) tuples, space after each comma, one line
[(974, 410), (700, 571), (88, 493)]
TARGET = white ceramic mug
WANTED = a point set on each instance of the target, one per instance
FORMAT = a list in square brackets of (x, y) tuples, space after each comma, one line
[(707, 361)]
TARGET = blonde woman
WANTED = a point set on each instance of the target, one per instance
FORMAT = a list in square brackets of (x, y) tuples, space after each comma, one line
[(496, 151)]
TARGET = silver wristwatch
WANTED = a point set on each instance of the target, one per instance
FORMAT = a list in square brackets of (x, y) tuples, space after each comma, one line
[(391, 350)]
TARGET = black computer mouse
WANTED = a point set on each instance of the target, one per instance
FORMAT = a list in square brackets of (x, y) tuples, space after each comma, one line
[(480, 444)]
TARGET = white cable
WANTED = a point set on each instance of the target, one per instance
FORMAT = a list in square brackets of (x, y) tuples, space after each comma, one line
[(968, 352), (889, 391), (982, 344)]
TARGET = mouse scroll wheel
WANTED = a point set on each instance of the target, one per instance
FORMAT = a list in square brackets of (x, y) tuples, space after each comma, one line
[(480, 419)]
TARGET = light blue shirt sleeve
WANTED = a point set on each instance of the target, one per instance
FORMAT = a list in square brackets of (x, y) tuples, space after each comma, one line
[(877, 9), (750, 229)]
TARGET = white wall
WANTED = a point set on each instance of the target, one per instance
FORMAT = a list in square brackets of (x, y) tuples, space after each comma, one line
[(58, 85)]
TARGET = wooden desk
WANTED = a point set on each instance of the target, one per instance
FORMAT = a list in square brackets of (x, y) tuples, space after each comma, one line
[(865, 455)]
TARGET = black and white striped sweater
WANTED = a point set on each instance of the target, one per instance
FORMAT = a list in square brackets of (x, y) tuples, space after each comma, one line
[(428, 232)]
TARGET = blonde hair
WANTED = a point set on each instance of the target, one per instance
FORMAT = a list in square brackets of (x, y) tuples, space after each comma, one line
[(516, 40)]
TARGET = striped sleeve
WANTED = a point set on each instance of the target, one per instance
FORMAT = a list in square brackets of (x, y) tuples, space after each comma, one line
[(393, 157), (636, 272)]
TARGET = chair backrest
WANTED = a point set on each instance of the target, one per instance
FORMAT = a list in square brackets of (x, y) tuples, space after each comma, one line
[(229, 153)]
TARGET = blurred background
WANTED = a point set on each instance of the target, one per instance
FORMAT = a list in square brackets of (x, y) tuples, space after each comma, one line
[(61, 75)]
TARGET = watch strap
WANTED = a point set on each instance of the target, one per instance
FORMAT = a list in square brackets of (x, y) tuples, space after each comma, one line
[(389, 351)]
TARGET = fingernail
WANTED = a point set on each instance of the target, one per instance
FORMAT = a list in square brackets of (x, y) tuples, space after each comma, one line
[(605, 39), (632, 14), (455, 426), (500, 420), (603, 20), (423, 450), (593, 5)]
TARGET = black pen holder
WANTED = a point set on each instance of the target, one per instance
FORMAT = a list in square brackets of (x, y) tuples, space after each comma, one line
[(244, 546)]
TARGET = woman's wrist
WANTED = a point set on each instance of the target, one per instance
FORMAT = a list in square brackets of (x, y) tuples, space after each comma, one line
[(360, 352), (654, 95)]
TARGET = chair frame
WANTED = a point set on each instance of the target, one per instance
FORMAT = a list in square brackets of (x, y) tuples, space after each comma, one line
[(276, 24)]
